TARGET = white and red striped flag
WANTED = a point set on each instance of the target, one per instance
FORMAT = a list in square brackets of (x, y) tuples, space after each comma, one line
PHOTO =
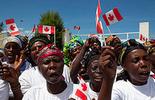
[(112, 17), (99, 27), (44, 29), (12, 27)]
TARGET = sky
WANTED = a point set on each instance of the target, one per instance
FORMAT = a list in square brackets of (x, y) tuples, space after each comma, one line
[(81, 12)]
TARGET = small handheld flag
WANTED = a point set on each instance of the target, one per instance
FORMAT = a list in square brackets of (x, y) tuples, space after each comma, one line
[(44, 29), (11, 27), (112, 17)]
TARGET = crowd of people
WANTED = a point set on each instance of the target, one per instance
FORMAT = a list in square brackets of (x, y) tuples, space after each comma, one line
[(36, 69)]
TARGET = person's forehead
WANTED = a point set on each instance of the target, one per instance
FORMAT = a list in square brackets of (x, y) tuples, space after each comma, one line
[(137, 52), (38, 43), (12, 44)]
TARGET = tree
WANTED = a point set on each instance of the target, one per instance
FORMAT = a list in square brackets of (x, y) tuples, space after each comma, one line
[(53, 18)]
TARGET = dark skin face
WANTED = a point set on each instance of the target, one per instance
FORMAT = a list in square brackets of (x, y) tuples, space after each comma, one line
[(35, 49), (51, 68), (95, 75), (137, 64), (11, 50), (75, 51)]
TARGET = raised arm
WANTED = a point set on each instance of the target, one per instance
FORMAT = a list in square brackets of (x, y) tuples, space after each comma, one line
[(107, 63), (76, 65)]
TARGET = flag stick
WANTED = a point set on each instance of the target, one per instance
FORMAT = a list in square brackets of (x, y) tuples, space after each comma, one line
[(109, 32), (78, 31), (29, 34), (55, 39), (109, 29)]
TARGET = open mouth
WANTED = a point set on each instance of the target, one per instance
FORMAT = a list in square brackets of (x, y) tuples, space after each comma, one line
[(145, 74), (98, 77), (54, 75), (54, 78)]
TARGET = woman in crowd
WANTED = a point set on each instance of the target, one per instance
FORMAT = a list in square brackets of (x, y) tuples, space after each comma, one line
[(79, 63), (134, 82), (71, 49), (13, 55), (32, 77), (150, 45), (50, 64), (13, 63), (95, 76)]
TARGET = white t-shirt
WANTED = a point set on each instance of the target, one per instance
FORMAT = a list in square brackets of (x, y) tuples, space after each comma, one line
[(92, 94), (41, 93), (124, 90), (4, 90), (32, 77)]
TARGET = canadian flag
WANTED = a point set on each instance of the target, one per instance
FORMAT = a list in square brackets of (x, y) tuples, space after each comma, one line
[(81, 92), (11, 27), (99, 27), (44, 29), (112, 17), (77, 28), (142, 37)]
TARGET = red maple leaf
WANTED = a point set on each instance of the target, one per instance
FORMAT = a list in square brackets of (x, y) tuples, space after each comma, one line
[(84, 86), (12, 27), (110, 17), (46, 29), (80, 94)]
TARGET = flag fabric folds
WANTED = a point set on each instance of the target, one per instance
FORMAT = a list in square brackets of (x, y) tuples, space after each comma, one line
[(44, 29), (99, 27), (12, 27), (112, 17), (77, 28)]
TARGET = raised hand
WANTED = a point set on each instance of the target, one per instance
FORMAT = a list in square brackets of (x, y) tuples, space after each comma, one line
[(19, 60), (108, 65), (9, 74), (107, 62)]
